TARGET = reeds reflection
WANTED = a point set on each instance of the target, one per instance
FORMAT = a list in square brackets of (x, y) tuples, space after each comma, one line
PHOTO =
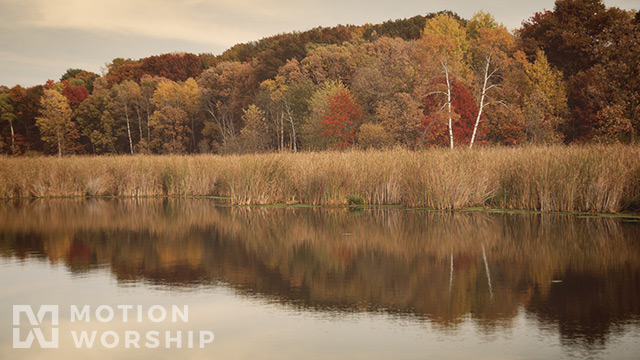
[(579, 274)]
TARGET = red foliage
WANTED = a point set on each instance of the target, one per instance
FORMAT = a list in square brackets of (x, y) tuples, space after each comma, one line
[(129, 71), (433, 127), (177, 67), (344, 115), (466, 107), (583, 123), (466, 110), (49, 84), (75, 94)]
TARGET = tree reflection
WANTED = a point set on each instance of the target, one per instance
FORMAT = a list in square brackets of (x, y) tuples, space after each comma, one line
[(581, 275)]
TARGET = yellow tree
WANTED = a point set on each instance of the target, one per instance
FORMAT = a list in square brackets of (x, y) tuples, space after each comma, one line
[(491, 44), (184, 96), (445, 40), (546, 101), (55, 123), (274, 94)]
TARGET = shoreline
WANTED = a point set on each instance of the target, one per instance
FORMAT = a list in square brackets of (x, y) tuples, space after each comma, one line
[(487, 210)]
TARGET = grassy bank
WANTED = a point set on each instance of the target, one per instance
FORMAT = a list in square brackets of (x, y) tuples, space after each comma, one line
[(593, 178)]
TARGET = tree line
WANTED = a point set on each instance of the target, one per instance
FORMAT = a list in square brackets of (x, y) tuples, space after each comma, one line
[(568, 75)]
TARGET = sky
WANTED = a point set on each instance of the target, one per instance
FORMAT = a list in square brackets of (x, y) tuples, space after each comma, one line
[(41, 39)]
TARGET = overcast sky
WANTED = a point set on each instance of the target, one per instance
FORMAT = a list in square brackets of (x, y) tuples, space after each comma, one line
[(40, 39)]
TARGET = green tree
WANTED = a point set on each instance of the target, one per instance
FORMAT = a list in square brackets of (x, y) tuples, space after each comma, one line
[(7, 114), (97, 123), (481, 20), (126, 102), (285, 99)]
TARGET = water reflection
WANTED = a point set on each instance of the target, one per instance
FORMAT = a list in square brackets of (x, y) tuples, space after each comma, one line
[(579, 276)]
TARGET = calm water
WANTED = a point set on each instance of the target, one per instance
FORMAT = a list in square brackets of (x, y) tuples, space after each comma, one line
[(326, 283)]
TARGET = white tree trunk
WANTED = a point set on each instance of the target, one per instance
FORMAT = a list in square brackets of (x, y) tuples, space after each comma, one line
[(481, 107), (13, 141), (281, 131), (139, 122), (446, 74), (125, 104), (293, 129), (126, 115)]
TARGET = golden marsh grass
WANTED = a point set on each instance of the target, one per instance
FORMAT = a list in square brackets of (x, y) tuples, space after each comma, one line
[(550, 178)]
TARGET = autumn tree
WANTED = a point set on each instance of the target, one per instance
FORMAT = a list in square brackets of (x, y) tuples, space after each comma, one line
[(490, 47), (285, 101), (444, 40), (226, 90), (596, 48), (55, 123), (342, 119), (175, 66), (604, 99), (332, 63), (464, 111), (272, 97), (79, 77), (26, 103), (567, 34), (481, 20), (545, 105), (401, 117), (126, 96), (391, 86), (119, 70), (312, 129), (374, 136), (170, 133), (253, 136), (75, 94), (184, 96)]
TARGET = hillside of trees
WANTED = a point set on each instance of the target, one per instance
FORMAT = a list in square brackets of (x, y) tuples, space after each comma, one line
[(571, 75)]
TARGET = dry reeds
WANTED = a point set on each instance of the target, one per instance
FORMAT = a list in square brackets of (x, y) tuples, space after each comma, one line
[(555, 178)]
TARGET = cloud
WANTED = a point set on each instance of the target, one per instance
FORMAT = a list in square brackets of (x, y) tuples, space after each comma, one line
[(207, 22), (38, 36)]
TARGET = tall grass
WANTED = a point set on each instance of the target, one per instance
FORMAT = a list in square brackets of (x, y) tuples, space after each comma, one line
[(555, 178)]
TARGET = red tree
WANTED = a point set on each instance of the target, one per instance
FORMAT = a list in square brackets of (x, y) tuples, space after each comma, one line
[(343, 116), (177, 67), (464, 104), (465, 109), (75, 94)]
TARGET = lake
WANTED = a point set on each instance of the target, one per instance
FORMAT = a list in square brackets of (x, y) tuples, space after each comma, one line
[(316, 283)]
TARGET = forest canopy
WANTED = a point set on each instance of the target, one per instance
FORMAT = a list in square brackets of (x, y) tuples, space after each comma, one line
[(569, 75)]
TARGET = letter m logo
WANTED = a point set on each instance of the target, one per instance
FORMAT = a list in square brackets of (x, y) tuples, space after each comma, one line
[(36, 331)]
